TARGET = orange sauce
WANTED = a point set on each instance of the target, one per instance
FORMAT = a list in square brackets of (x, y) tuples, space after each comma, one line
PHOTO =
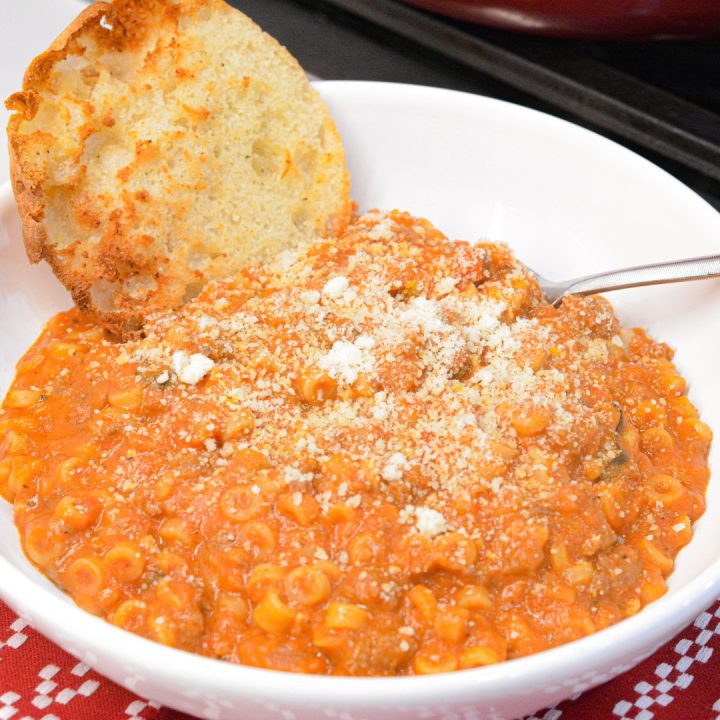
[(384, 455)]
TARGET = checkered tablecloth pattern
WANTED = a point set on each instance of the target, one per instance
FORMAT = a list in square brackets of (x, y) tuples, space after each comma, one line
[(681, 681)]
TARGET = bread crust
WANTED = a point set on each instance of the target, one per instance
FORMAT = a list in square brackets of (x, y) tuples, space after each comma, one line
[(27, 183), (119, 26), (27, 186)]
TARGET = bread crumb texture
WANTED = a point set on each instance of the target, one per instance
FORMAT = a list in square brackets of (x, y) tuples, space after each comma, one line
[(407, 354), (159, 144)]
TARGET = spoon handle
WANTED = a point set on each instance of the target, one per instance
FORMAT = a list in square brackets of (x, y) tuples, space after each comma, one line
[(655, 274)]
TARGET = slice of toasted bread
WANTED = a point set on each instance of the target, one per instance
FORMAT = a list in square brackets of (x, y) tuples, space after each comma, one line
[(161, 143)]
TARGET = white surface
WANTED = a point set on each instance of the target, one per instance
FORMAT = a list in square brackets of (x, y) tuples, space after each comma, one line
[(27, 27), (568, 202)]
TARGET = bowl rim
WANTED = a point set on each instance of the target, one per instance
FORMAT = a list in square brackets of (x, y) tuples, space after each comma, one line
[(83, 634)]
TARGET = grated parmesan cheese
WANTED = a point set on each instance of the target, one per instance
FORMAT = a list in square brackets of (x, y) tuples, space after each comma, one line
[(292, 474), (345, 361), (425, 314), (310, 297), (429, 522), (395, 467), (335, 287), (446, 285), (191, 369), (383, 230)]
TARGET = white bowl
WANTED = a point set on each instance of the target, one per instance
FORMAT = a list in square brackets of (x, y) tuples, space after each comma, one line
[(569, 202)]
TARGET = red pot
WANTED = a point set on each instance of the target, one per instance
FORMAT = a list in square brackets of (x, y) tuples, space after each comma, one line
[(609, 19)]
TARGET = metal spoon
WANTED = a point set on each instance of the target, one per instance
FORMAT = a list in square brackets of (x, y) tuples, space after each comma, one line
[(656, 274)]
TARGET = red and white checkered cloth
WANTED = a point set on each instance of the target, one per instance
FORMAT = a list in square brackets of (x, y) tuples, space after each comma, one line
[(681, 681)]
